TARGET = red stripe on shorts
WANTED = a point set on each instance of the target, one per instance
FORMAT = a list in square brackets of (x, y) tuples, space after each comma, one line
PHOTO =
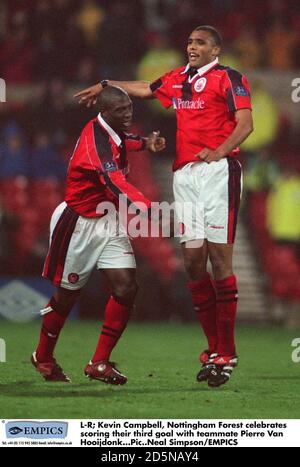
[(60, 241), (234, 196)]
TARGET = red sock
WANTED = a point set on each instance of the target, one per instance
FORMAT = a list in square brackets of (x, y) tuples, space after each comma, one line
[(204, 301), (227, 298), (54, 318), (115, 321)]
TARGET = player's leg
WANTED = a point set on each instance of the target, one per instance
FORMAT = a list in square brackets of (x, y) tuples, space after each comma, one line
[(190, 215), (54, 317), (71, 257), (202, 291), (203, 296), (223, 199), (227, 296), (116, 316), (117, 262)]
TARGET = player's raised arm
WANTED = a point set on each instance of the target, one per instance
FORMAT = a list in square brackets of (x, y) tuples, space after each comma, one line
[(90, 95)]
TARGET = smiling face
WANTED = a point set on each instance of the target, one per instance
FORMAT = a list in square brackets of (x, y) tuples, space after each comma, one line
[(119, 113), (202, 49)]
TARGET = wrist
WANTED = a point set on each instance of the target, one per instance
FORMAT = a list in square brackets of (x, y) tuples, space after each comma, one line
[(220, 153), (104, 83)]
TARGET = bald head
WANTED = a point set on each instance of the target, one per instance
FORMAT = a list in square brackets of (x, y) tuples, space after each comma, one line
[(116, 108), (109, 96)]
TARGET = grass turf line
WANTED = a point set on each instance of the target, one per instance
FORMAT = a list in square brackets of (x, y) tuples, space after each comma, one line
[(161, 362)]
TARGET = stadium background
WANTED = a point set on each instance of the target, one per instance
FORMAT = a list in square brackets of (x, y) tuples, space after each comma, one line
[(51, 49)]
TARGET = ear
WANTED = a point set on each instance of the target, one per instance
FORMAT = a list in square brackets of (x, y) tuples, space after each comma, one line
[(216, 51), (103, 111)]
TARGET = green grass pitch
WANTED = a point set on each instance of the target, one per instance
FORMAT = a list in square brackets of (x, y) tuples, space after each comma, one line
[(161, 362)]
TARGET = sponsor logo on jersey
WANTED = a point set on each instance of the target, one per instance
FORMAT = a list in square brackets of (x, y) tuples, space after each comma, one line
[(200, 84), (180, 104), (110, 166)]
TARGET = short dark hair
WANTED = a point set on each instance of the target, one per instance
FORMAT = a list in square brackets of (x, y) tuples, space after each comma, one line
[(213, 32), (108, 94)]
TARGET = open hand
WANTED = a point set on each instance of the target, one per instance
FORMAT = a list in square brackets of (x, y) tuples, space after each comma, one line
[(89, 96)]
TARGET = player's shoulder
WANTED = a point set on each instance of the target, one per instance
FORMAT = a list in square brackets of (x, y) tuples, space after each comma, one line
[(92, 127), (229, 72), (176, 72)]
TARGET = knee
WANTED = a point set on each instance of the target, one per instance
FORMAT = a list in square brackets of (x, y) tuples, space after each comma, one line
[(195, 269), (125, 293), (220, 268), (66, 298)]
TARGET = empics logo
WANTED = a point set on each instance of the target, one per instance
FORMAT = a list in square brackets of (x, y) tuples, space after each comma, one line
[(36, 430), (296, 352), (2, 351), (296, 91), (2, 90)]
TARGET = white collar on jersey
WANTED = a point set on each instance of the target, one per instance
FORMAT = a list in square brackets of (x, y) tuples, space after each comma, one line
[(109, 130), (203, 69)]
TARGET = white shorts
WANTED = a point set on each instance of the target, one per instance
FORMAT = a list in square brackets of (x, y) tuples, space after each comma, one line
[(78, 244), (216, 189)]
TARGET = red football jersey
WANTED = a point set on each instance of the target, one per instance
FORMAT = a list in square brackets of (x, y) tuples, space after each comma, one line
[(98, 168), (205, 101)]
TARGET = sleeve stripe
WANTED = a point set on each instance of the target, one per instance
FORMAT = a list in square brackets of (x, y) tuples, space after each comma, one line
[(102, 144), (115, 189), (230, 101), (156, 85), (236, 79)]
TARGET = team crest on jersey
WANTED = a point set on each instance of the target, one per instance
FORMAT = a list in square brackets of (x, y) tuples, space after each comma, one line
[(73, 278), (200, 84)]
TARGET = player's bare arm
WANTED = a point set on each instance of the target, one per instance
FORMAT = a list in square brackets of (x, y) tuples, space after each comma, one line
[(90, 95), (243, 129)]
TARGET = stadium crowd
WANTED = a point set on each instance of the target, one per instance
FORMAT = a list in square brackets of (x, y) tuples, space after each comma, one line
[(58, 44)]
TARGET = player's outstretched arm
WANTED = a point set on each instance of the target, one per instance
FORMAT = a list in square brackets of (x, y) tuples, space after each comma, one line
[(90, 95)]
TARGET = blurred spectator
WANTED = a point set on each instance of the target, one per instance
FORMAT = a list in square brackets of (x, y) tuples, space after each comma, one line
[(248, 48), (45, 161), (280, 42), (158, 60), (13, 153), (283, 208), (86, 72), (42, 18), (3, 20), (262, 171), (89, 19), (183, 21), (121, 39), (230, 58), (46, 63), (265, 118), (8, 223), (16, 57)]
